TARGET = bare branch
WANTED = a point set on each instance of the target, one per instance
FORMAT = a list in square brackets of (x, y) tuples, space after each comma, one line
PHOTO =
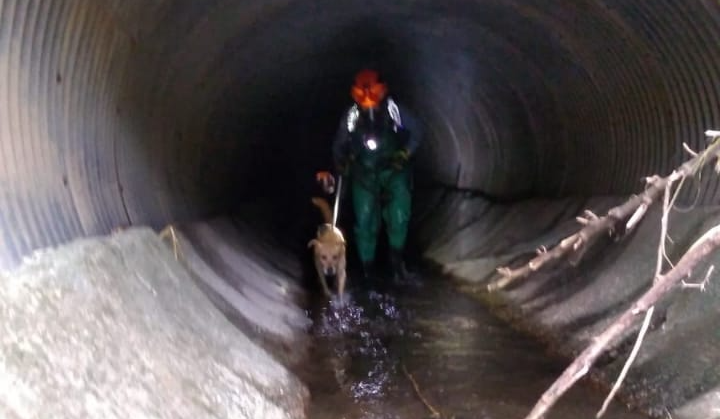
[(633, 210), (508, 275), (701, 286), (594, 226), (434, 413), (689, 150), (661, 255), (169, 232), (662, 285), (582, 220), (628, 363), (588, 217), (663, 229), (637, 216)]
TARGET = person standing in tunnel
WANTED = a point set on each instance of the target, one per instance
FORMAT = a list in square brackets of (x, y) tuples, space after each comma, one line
[(373, 148)]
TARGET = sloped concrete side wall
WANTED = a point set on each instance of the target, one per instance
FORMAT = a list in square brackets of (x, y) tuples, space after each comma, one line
[(116, 327), (678, 367), (248, 278)]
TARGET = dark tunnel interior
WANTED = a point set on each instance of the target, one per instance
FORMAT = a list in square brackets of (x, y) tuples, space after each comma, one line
[(135, 114)]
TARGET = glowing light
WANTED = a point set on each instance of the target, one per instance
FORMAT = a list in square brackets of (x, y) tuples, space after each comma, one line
[(371, 144)]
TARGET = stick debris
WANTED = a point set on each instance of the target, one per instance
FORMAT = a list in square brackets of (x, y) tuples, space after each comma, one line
[(169, 232), (434, 413), (664, 283), (635, 208), (594, 226)]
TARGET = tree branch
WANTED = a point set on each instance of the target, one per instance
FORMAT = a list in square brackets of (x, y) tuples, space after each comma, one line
[(664, 283), (648, 315), (634, 209)]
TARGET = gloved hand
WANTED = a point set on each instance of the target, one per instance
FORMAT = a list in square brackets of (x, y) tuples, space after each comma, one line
[(326, 181), (399, 159)]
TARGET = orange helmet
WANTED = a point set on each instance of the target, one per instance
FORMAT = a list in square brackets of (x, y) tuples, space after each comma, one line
[(368, 91)]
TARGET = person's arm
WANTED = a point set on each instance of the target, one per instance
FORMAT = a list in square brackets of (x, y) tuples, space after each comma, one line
[(412, 125)]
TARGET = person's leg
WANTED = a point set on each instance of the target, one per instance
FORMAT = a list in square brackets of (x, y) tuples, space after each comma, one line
[(367, 223), (396, 211), (396, 214)]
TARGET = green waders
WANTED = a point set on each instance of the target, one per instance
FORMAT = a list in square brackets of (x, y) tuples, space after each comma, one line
[(383, 193)]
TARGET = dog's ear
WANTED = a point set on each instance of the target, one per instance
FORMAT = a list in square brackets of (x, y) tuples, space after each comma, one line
[(312, 243)]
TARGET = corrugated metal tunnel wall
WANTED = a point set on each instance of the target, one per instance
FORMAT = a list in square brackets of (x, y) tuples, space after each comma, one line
[(136, 112)]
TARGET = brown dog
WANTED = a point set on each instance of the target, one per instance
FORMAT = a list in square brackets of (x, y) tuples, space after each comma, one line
[(329, 250)]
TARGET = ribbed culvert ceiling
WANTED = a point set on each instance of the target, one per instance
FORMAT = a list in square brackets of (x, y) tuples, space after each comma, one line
[(134, 112)]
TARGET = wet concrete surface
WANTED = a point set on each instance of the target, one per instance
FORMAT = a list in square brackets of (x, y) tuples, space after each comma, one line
[(465, 362), (115, 327)]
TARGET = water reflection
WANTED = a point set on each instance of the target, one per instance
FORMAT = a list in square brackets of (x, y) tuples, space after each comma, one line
[(358, 332), (466, 363)]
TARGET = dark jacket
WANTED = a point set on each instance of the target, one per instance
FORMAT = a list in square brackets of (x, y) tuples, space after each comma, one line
[(395, 127)]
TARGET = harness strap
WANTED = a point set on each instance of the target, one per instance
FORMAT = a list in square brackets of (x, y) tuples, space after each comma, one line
[(392, 108)]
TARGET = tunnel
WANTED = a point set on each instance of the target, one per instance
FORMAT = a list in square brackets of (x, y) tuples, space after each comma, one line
[(119, 114)]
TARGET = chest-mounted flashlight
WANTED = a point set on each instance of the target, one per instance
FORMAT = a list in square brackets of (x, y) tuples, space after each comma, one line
[(371, 143)]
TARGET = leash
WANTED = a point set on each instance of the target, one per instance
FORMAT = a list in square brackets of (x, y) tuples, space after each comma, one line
[(336, 208)]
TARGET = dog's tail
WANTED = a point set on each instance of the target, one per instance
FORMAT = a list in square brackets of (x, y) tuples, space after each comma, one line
[(324, 207)]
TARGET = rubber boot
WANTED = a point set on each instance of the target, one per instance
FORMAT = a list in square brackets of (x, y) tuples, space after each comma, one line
[(400, 272), (368, 269)]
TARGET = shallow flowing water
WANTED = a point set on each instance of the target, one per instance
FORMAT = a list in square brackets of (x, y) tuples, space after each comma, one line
[(402, 353)]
